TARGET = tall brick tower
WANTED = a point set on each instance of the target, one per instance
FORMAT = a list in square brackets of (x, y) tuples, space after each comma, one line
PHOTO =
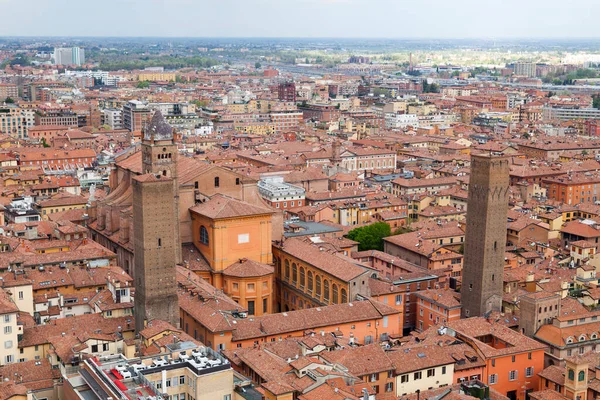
[(485, 239), (159, 156), (154, 248)]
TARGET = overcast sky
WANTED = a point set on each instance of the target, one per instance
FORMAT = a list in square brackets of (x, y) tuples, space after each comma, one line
[(302, 18)]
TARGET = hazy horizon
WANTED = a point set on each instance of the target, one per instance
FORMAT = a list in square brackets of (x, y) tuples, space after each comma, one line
[(299, 19)]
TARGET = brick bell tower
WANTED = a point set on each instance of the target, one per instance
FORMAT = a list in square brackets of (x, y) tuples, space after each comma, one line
[(485, 238), (159, 156), (154, 249)]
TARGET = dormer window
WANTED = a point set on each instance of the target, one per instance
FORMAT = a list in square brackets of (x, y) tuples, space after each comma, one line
[(569, 340)]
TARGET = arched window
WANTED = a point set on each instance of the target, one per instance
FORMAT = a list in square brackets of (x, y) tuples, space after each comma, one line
[(344, 296), (217, 181), (335, 293), (569, 340), (318, 285), (581, 376), (325, 289), (302, 277), (287, 270), (571, 375), (294, 273), (581, 338), (310, 282), (300, 304), (203, 235)]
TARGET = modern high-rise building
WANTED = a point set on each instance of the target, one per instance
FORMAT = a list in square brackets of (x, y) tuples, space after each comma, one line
[(69, 56), (15, 121), (135, 115), (525, 69), (485, 238), (287, 91)]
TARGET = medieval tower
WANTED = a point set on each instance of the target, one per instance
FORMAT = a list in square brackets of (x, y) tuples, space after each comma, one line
[(154, 247), (159, 156), (485, 239)]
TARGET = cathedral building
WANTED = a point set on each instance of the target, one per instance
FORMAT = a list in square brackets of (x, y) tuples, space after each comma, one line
[(217, 211)]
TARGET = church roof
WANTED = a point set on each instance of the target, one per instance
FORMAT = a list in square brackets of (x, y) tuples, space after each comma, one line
[(158, 129), (220, 206), (246, 268)]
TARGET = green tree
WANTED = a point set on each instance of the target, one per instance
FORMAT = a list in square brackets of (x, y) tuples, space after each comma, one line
[(370, 237), (596, 101), (9, 100), (143, 85), (257, 65), (44, 144), (200, 103)]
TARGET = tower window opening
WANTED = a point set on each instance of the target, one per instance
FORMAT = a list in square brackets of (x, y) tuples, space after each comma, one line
[(159, 242), (217, 181)]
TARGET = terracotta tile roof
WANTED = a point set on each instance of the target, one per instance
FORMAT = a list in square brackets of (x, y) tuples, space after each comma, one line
[(220, 206), (7, 305), (419, 357), (156, 327), (10, 389), (63, 199), (327, 260), (361, 360), (559, 337), (307, 319), (446, 298), (75, 326), (547, 394), (554, 373), (578, 228), (245, 268), (473, 328)]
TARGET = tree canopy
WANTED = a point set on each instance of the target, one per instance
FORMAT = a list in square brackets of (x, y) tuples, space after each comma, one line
[(370, 237)]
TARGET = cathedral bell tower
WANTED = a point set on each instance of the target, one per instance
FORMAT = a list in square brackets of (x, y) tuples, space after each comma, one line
[(159, 157)]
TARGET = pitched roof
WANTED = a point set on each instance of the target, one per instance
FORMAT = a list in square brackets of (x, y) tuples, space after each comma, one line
[(311, 318), (220, 206), (245, 268), (321, 256)]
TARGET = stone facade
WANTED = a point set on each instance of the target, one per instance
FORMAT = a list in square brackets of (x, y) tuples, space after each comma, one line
[(155, 250), (159, 156), (538, 309), (485, 239)]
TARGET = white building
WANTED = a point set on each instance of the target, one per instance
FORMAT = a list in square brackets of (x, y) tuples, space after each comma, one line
[(69, 56), (107, 78), (206, 129), (113, 117), (400, 121), (279, 194), (570, 113)]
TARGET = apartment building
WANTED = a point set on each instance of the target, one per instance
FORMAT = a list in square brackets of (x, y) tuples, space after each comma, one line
[(9, 329)]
